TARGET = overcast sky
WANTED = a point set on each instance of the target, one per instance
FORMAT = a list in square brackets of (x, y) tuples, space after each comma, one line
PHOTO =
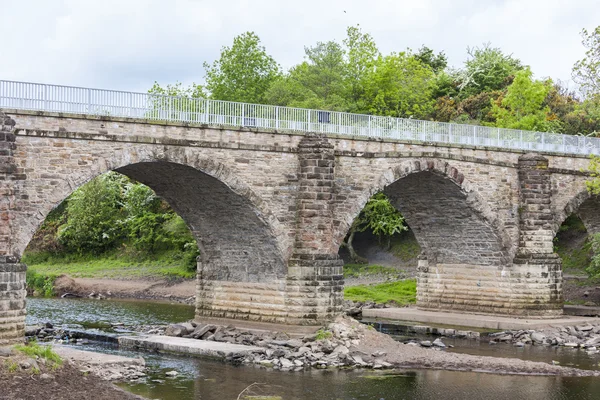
[(128, 44)]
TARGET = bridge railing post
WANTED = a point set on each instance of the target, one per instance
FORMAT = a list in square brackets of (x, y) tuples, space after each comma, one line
[(89, 101)]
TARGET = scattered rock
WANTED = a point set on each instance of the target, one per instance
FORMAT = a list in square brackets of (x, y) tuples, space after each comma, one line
[(172, 373), (175, 330), (425, 343), (538, 337)]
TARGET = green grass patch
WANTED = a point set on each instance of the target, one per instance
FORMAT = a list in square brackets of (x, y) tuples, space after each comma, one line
[(575, 260), (11, 365), (323, 334), (33, 350), (405, 246), (113, 265), (401, 292), (358, 270)]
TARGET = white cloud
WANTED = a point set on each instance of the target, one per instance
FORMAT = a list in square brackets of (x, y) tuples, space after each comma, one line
[(128, 44)]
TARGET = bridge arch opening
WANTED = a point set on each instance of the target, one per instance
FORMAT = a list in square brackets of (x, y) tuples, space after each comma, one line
[(463, 251), (241, 270), (576, 241)]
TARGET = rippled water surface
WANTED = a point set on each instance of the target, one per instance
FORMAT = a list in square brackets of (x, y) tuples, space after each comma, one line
[(92, 313), (213, 380)]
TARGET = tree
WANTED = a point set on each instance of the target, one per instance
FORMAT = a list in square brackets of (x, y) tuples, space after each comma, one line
[(244, 72), (361, 59), (401, 86), (593, 187), (438, 62), (94, 216), (586, 72), (378, 216), (488, 69), (523, 105)]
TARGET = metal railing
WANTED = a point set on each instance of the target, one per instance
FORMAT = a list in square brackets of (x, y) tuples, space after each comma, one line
[(77, 100)]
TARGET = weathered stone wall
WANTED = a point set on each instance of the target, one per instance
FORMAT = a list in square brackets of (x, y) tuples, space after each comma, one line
[(12, 301), (12, 274), (315, 277), (270, 209)]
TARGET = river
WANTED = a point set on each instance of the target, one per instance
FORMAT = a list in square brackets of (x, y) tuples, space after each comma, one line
[(213, 380)]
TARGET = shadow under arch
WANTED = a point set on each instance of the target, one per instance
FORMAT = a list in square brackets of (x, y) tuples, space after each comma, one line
[(586, 206), (236, 238), (441, 197)]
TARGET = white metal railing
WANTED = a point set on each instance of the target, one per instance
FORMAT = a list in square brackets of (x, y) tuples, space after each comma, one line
[(77, 100)]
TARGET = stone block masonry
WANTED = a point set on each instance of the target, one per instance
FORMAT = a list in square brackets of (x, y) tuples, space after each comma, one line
[(270, 209)]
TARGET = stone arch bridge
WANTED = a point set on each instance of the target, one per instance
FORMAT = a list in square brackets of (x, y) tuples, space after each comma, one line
[(270, 209)]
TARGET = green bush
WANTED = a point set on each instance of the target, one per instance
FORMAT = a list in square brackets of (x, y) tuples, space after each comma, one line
[(43, 284)]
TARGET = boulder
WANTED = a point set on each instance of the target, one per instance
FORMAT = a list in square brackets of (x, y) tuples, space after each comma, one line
[(201, 330), (189, 328), (175, 330), (425, 343), (538, 337), (285, 363)]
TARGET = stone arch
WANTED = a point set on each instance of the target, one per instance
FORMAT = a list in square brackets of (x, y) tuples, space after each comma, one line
[(447, 172), (587, 208), (240, 243)]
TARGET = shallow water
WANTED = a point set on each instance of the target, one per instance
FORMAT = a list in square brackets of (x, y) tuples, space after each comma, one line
[(91, 313), (572, 357), (213, 380)]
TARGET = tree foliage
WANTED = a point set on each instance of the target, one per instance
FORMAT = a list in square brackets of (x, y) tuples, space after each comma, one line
[(401, 86), (244, 72), (487, 69), (586, 72), (523, 107), (379, 217), (113, 212)]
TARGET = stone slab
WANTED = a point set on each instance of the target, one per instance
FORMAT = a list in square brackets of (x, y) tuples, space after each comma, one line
[(257, 327), (582, 310), (192, 347), (90, 357), (474, 320)]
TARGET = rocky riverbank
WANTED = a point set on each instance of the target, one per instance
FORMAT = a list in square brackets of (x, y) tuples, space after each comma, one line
[(583, 336), (348, 343)]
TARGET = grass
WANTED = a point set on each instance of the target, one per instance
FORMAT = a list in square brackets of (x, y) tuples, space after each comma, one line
[(405, 246), (112, 266), (11, 365), (573, 246), (34, 350), (323, 334), (574, 260), (401, 292), (358, 270)]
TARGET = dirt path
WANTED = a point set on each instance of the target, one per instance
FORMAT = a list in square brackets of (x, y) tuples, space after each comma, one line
[(181, 290)]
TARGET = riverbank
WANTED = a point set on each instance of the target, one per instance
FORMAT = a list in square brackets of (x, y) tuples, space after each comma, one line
[(179, 290), (76, 375)]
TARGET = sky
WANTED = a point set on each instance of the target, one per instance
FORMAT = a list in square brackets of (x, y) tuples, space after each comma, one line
[(129, 44)]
